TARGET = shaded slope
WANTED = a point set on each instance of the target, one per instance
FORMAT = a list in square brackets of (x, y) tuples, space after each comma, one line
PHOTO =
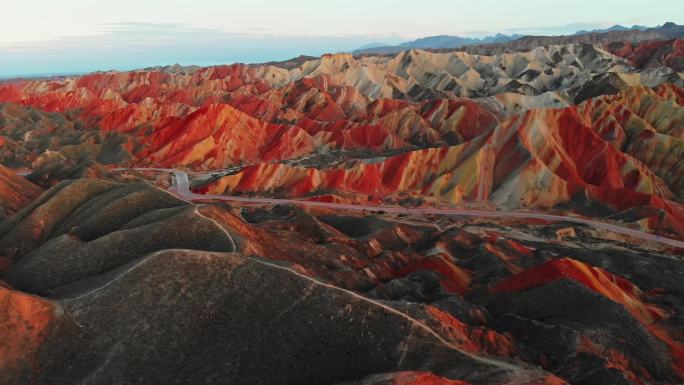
[(589, 325), (57, 146), (416, 303), (228, 325), (87, 227)]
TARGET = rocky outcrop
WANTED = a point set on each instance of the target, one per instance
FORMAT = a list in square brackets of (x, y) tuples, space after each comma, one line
[(15, 192), (653, 53)]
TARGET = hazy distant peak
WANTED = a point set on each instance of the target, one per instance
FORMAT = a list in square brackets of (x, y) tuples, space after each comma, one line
[(616, 27)]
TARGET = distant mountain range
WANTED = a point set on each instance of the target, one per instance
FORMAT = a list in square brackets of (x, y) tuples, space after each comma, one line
[(616, 27), (437, 42), (445, 41), (636, 33)]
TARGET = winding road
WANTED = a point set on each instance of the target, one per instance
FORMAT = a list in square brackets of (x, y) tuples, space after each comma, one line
[(181, 188)]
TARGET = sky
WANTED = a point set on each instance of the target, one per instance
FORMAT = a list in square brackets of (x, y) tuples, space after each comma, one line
[(74, 36)]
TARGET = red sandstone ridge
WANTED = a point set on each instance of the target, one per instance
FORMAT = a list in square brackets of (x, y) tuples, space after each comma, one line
[(217, 135), (418, 378), (204, 132), (24, 320), (15, 191), (603, 151), (331, 128), (615, 288), (653, 53)]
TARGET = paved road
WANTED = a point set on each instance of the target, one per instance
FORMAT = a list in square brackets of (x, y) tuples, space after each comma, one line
[(181, 188)]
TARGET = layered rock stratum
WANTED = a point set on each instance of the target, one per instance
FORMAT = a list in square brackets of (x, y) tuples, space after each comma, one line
[(118, 264)]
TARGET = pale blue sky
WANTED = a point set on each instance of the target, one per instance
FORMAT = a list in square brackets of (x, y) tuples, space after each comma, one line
[(56, 36)]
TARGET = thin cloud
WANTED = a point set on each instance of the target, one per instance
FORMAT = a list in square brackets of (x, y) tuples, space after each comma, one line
[(128, 45), (561, 29)]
